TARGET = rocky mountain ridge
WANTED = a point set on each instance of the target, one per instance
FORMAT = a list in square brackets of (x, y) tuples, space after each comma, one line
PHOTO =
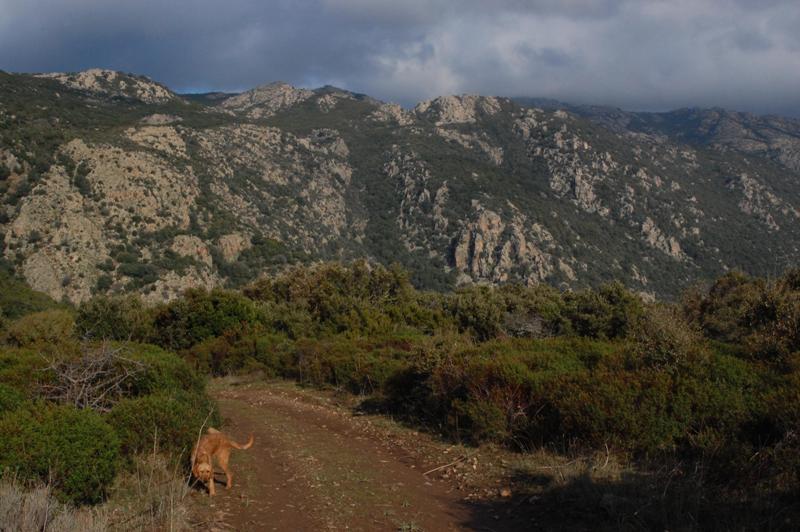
[(111, 182)]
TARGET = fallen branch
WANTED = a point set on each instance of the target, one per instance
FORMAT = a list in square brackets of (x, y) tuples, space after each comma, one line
[(454, 462)]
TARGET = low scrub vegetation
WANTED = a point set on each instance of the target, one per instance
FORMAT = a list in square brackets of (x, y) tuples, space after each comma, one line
[(77, 414), (710, 383)]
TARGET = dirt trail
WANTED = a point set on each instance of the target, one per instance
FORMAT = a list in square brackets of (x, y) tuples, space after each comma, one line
[(314, 467)]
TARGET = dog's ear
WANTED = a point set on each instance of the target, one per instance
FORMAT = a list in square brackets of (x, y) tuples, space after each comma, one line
[(212, 430)]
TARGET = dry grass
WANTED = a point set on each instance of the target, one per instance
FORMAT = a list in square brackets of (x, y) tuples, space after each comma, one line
[(150, 497), (36, 510)]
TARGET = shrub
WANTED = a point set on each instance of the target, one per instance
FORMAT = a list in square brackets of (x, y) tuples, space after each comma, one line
[(142, 273), (627, 409), (607, 313), (10, 398), (146, 369), (96, 378), (479, 310), (777, 461), (662, 337), (493, 391), (199, 315), (763, 316), (723, 312), (114, 318), (782, 400), (361, 366), (355, 299), (167, 421), (292, 319), (23, 369), (776, 324), (238, 350), (498, 396), (45, 328), (413, 392), (74, 450), (164, 372)]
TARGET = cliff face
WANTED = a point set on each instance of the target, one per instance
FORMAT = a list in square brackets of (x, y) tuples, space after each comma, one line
[(110, 182)]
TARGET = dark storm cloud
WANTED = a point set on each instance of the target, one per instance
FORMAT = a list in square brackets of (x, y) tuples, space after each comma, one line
[(645, 54)]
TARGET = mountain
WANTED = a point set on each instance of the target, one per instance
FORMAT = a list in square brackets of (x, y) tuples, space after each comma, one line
[(112, 182), (774, 137)]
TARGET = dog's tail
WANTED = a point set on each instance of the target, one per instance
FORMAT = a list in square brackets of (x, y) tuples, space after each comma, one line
[(245, 446)]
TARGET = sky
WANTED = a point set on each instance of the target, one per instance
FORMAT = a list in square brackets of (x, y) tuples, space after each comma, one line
[(634, 54)]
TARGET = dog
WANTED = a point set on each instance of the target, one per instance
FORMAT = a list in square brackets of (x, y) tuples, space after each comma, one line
[(214, 445)]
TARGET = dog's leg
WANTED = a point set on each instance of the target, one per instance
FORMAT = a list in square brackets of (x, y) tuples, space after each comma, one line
[(223, 463), (212, 490)]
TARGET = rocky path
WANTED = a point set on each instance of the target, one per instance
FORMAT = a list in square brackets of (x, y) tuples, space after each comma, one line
[(315, 467)]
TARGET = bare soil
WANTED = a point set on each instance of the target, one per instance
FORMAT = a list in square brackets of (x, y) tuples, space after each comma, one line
[(318, 465)]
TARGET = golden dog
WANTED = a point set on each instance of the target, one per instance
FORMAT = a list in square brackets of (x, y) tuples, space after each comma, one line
[(214, 445)]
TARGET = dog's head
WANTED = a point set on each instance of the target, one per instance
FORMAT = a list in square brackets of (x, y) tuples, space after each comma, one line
[(203, 472)]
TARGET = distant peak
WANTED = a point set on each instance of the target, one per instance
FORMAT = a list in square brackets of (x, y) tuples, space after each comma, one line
[(111, 83), (266, 100), (458, 109)]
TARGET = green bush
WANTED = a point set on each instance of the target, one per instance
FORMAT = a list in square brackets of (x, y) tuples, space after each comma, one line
[(358, 299), (697, 408), (534, 311), (164, 372), (606, 313), (157, 371), (199, 315), (498, 398), (662, 337), (493, 391), (23, 369), (41, 329), (479, 310), (292, 319), (239, 350), (775, 331), (626, 409), (361, 366), (10, 398), (114, 318), (762, 316), (723, 312), (166, 421), (75, 451)]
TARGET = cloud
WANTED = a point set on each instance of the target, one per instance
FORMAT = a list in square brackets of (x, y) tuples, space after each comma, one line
[(638, 54)]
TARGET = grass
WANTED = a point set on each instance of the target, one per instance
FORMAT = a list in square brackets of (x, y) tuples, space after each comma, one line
[(149, 497), (36, 510)]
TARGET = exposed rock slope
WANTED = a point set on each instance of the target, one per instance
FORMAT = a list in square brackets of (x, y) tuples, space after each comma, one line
[(110, 182)]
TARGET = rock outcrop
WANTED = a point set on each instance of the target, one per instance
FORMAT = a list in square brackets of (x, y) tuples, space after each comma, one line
[(112, 84), (464, 109), (487, 248), (266, 100)]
